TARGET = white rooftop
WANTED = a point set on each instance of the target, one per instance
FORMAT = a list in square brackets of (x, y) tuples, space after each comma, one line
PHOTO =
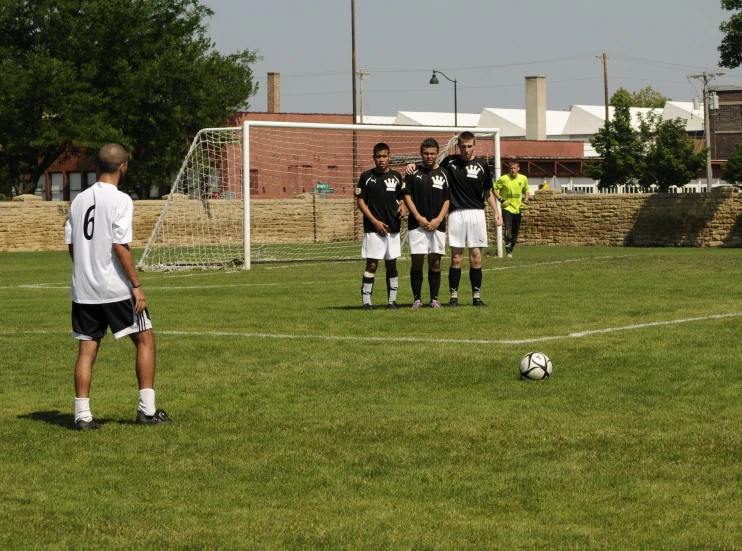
[(416, 118)]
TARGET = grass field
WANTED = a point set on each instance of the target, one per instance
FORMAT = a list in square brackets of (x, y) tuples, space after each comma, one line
[(303, 422)]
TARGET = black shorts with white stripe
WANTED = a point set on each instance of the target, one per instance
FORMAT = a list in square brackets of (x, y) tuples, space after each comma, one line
[(91, 321)]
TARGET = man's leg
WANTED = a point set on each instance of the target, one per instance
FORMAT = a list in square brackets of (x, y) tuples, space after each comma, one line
[(434, 278), (392, 281), (475, 274), (454, 273), (507, 221), (416, 279), (515, 230), (147, 413), (86, 355), (367, 287)]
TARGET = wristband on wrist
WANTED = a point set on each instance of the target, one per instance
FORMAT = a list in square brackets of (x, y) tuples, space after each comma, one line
[(136, 286)]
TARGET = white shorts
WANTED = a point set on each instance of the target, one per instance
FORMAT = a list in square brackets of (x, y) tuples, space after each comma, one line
[(426, 242), (467, 228), (380, 247)]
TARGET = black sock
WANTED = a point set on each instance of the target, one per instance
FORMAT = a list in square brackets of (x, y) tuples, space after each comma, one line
[(416, 280), (434, 280), (475, 276), (454, 278), (392, 283)]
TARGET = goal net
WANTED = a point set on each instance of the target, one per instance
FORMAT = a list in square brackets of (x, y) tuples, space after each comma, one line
[(300, 203)]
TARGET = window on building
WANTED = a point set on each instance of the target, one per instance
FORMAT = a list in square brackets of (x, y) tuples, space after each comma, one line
[(730, 118), (57, 186), (75, 180), (41, 187)]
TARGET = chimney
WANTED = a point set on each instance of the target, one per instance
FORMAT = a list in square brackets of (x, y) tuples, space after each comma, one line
[(274, 92), (535, 108)]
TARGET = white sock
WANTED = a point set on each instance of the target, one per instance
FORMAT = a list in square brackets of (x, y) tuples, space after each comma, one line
[(368, 287), (393, 286), (82, 410), (147, 401)]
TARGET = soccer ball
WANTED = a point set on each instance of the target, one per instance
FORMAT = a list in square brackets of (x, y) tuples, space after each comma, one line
[(535, 365)]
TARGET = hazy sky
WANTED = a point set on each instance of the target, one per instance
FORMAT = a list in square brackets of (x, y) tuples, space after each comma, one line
[(488, 46)]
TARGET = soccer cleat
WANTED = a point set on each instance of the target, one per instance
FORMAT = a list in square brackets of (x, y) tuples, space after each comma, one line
[(417, 305), (368, 307), (510, 255), (453, 303), (479, 303), (392, 306), (87, 425), (159, 417), (435, 304)]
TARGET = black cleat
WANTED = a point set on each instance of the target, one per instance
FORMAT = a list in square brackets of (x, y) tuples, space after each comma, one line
[(159, 417), (368, 307), (87, 425), (453, 303), (479, 303), (392, 306)]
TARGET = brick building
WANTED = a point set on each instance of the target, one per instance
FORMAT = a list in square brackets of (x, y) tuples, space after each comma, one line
[(725, 124)]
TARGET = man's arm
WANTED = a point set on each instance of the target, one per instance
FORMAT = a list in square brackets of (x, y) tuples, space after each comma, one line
[(70, 250), (493, 203), (381, 228), (441, 215), (123, 253)]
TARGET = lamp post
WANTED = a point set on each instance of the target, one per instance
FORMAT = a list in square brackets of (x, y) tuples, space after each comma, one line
[(434, 80)]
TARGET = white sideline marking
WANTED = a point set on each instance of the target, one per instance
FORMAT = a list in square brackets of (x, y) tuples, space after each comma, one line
[(66, 285), (573, 335)]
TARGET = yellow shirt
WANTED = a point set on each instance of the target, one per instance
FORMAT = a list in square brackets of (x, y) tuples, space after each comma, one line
[(514, 188)]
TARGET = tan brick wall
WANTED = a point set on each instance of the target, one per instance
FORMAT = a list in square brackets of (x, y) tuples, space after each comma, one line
[(713, 220)]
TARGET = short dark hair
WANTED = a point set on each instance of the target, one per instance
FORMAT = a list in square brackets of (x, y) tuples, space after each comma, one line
[(430, 142), (381, 146), (110, 157), (465, 136), (514, 163)]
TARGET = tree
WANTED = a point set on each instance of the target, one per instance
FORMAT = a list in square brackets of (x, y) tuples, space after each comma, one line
[(619, 145), (646, 97), (669, 158), (730, 48), (732, 171), (76, 74)]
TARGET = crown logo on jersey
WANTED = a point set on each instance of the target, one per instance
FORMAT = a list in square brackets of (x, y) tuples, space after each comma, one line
[(473, 171), (438, 181), (391, 184)]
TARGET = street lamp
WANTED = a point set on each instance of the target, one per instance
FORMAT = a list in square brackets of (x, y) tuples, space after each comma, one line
[(434, 80)]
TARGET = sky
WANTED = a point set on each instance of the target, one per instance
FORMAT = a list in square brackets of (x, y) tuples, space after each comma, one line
[(488, 46)]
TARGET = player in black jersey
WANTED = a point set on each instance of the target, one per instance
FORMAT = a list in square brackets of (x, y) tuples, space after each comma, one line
[(427, 196), (471, 187), (378, 196)]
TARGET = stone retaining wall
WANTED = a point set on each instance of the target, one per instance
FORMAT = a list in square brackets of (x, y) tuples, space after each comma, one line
[(657, 220)]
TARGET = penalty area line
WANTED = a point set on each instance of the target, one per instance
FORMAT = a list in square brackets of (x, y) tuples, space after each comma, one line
[(572, 335)]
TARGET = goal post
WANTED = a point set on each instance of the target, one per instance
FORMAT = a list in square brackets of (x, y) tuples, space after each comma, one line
[(281, 191)]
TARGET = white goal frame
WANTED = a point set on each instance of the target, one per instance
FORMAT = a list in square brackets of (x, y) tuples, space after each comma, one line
[(246, 188)]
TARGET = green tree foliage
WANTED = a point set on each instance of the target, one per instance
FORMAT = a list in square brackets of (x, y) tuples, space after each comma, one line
[(730, 48), (79, 73), (646, 97), (619, 146), (669, 157), (732, 171)]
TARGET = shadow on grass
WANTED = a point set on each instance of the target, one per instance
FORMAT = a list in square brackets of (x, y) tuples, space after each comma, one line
[(67, 420)]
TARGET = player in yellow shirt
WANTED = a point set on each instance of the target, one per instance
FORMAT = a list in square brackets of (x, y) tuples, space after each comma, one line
[(509, 190)]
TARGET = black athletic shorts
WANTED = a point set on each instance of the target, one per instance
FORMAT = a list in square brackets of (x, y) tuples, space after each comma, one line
[(90, 321)]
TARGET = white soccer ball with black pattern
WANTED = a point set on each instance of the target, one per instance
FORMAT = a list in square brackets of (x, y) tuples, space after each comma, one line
[(536, 366)]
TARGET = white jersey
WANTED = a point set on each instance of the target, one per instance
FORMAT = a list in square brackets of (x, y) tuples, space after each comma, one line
[(99, 217)]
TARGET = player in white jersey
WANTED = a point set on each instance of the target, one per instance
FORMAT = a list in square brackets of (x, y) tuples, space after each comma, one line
[(106, 291)]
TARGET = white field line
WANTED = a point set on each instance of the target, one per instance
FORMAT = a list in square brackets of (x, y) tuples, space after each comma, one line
[(63, 285), (573, 335)]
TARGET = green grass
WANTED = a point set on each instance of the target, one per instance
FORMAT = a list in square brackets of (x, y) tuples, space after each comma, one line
[(309, 443)]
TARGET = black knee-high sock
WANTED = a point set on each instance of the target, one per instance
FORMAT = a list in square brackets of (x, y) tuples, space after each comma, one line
[(392, 283), (416, 280), (454, 278), (475, 276), (434, 280)]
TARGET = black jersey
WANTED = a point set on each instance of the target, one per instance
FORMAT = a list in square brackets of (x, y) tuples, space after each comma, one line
[(471, 182), (381, 193), (429, 188)]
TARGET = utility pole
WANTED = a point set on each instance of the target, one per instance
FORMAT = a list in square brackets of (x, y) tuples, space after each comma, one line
[(353, 47), (604, 58), (361, 73), (705, 77)]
